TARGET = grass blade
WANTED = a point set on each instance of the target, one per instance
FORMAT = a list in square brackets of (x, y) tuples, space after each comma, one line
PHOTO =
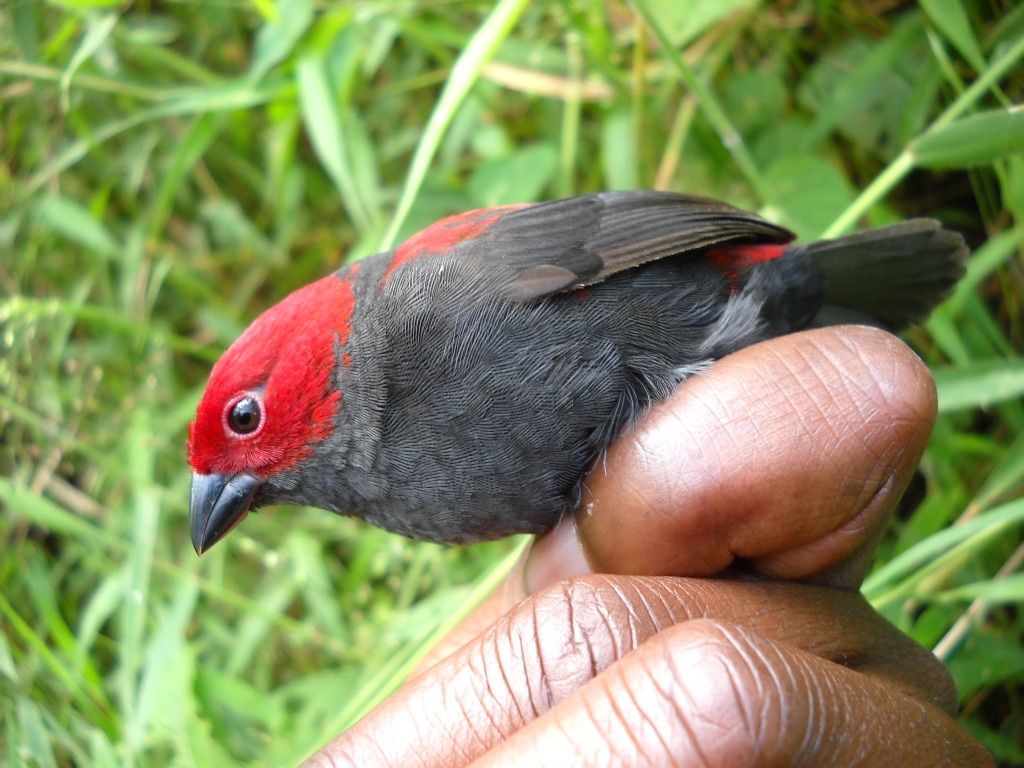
[(972, 141), (323, 122), (951, 19), (145, 509), (927, 551), (1006, 590), (387, 679), (731, 138), (904, 162), (465, 72), (96, 35), (979, 385)]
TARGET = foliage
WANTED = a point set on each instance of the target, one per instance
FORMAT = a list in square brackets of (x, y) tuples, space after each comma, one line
[(167, 170)]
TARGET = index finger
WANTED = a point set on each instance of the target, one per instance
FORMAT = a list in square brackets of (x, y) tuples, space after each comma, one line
[(563, 639)]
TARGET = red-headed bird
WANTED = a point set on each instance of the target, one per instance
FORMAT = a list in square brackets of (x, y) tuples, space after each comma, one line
[(458, 387)]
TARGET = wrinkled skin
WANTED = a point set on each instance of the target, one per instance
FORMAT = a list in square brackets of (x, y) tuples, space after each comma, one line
[(772, 658)]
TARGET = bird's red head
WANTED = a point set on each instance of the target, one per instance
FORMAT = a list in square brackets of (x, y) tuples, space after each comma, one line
[(269, 400)]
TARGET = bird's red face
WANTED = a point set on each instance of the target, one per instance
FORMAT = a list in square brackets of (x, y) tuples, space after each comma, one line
[(270, 399)]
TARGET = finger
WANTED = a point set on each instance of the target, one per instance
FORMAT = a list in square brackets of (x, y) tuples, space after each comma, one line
[(717, 481), (509, 593), (549, 559), (711, 693), (556, 641), (789, 454), (732, 465)]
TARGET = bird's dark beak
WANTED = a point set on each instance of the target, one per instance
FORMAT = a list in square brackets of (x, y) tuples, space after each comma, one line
[(219, 503)]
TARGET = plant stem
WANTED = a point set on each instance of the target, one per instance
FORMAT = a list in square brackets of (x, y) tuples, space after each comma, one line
[(731, 138), (904, 162)]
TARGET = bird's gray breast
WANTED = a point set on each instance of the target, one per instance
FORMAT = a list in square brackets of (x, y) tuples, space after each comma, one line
[(482, 413), (478, 394)]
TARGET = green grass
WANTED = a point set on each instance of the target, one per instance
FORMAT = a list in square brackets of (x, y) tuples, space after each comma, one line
[(167, 170)]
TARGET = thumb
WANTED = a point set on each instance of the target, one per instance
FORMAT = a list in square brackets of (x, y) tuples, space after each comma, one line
[(790, 455)]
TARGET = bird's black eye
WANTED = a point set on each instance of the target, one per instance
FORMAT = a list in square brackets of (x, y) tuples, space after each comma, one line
[(244, 416)]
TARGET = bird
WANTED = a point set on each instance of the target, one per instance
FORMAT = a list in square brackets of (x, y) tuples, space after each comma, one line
[(459, 387)]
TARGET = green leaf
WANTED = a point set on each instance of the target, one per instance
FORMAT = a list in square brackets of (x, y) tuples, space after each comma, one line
[(192, 146), (7, 666), (1009, 589), (252, 631), (841, 88), (276, 40), (1007, 474), (971, 141), (979, 530), (145, 511), (979, 385), (685, 21), (166, 675), (106, 598), (984, 660), (322, 118), (1013, 188), (464, 74), (619, 151), (365, 165), (72, 221), (235, 95), (26, 22), (36, 743), (517, 178), (382, 681), (97, 32), (18, 627), (809, 190), (951, 19), (904, 162)]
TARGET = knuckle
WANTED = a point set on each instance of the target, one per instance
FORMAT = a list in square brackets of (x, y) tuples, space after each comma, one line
[(737, 697), (568, 633)]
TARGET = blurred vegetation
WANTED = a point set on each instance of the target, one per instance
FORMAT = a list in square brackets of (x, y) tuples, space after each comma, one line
[(168, 170)]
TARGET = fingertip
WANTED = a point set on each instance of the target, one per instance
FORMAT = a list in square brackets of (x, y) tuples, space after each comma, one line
[(776, 447), (902, 379)]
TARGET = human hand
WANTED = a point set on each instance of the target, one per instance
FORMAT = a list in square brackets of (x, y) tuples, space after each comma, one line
[(751, 501)]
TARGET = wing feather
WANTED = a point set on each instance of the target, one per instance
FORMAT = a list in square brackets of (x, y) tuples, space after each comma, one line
[(537, 250)]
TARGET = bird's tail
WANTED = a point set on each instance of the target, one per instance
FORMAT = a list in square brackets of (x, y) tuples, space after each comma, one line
[(894, 275)]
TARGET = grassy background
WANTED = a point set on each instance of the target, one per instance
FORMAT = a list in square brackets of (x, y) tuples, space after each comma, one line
[(168, 170)]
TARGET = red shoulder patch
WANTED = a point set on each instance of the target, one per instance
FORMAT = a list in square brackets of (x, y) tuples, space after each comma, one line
[(732, 259), (447, 233), (745, 254)]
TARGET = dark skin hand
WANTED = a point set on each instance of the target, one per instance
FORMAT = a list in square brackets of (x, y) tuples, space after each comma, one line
[(752, 500)]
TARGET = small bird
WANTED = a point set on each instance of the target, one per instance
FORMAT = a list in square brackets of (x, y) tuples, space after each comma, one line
[(458, 387)]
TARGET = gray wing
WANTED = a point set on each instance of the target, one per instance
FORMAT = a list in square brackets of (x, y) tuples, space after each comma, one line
[(569, 244)]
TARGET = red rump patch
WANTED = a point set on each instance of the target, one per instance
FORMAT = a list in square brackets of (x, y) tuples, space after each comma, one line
[(446, 234), (732, 259), (285, 358)]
